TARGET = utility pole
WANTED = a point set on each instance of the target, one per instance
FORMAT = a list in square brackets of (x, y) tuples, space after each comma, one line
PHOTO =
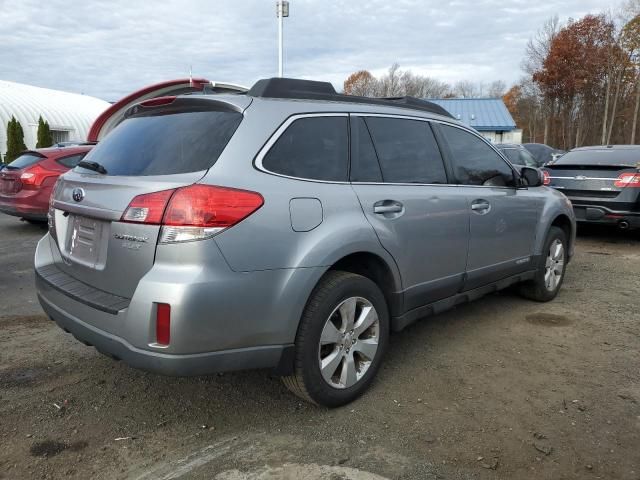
[(282, 10)]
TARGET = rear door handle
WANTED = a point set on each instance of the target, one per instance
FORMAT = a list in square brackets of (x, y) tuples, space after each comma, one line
[(387, 206), (480, 206)]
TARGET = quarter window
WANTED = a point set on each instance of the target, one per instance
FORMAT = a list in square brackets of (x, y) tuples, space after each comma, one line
[(71, 161), (475, 162), (407, 151), (315, 148)]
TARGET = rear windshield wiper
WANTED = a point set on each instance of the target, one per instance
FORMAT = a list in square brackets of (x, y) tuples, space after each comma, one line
[(95, 166)]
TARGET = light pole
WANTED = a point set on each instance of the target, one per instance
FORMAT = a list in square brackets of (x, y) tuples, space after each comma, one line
[(282, 10)]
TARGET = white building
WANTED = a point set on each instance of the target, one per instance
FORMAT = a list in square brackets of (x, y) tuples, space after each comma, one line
[(70, 115)]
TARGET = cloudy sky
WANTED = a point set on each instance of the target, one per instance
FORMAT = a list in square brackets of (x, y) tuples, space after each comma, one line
[(108, 49)]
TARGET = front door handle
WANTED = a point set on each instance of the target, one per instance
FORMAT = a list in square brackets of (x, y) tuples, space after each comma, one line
[(480, 206), (387, 206)]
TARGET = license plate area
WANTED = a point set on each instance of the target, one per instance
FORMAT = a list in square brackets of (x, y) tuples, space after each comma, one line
[(86, 241)]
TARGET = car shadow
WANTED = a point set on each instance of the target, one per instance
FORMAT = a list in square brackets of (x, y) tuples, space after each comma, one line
[(607, 234)]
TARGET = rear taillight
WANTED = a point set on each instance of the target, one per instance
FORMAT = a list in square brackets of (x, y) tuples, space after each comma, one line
[(36, 175), (147, 208), (194, 212), (546, 178), (628, 179)]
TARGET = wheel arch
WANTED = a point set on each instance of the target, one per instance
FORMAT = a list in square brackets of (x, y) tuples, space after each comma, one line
[(378, 270), (563, 222)]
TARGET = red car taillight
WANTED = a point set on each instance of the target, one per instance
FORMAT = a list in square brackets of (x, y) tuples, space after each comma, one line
[(36, 175), (546, 177), (147, 208), (194, 212), (628, 179)]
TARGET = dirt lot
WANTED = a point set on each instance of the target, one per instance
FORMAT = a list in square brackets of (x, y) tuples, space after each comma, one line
[(501, 388)]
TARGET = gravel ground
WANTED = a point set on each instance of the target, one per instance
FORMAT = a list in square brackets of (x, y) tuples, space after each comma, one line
[(500, 388)]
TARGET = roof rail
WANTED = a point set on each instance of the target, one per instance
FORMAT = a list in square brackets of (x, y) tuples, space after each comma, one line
[(291, 88)]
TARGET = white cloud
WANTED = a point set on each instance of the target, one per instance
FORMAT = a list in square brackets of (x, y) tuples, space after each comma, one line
[(109, 48)]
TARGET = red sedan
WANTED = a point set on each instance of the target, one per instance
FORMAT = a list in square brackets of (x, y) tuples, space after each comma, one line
[(26, 183)]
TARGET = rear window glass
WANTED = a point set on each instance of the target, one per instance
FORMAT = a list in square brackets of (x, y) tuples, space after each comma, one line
[(165, 144), (609, 156), (316, 148), (25, 160)]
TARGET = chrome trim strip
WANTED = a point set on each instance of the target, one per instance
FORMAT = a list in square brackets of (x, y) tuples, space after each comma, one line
[(585, 178)]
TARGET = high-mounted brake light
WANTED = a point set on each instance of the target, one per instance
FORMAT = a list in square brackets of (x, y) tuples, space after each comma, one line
[(36, 175), (546, 177), (194, 212), (158, 101), (628, 179)]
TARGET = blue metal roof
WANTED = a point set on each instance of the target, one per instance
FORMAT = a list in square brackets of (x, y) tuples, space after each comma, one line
[(483, 114)]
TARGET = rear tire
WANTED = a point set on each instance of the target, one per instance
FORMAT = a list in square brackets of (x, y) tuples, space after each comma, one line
[(342, 337), (551, 268)]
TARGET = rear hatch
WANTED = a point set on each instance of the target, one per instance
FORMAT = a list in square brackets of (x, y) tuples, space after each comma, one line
[(595, 176), (163, 144), (10, 182)]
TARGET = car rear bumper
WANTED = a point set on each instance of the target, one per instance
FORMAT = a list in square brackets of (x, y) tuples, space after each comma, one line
[(220, 319), (29, 204), (606, 215), (158, 362)]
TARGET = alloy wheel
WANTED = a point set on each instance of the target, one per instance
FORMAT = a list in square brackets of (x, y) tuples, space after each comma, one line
[(349, 342)]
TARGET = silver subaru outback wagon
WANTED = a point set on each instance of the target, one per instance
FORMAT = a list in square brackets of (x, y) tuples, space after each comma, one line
[(289, 228)]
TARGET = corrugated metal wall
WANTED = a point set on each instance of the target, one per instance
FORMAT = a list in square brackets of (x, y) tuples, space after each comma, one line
[(64, 111)]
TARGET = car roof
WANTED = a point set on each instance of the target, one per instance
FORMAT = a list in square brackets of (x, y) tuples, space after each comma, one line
[(607, 147), (307, 96), (508, 145)]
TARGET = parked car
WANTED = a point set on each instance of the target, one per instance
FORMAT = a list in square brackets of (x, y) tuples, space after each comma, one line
[(517, 154), (543, 153), (289, 228), (602, 182), (27, 182)]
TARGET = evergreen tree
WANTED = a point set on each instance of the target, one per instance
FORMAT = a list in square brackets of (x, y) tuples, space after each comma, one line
[(15, 140), (44, 134)]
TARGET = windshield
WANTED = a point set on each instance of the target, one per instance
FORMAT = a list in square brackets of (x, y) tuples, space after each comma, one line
[(165, 144)]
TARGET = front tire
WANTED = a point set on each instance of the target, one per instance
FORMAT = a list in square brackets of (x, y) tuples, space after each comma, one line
[(551, 268), (342, 337)]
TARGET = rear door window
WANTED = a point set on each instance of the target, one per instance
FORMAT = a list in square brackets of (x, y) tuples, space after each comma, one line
[(315, 148), (166, 144), (407, 151), (475, 162)]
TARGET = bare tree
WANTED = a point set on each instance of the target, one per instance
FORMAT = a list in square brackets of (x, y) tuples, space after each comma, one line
[(496, 89), (465, 89)]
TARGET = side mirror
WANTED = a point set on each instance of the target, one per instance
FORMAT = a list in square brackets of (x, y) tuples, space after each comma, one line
[(531, 177)]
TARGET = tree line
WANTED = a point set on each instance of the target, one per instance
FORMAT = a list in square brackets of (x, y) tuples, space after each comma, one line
[(399, 83), (581, 84), (15, 138)]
